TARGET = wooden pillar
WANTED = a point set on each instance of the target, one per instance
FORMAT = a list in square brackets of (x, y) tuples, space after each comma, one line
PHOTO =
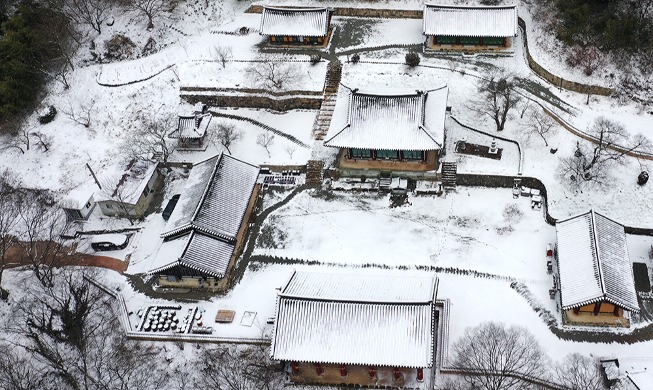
[(435, 40), (615, 312), (505, 42), (597, 308), (480, 41), (576, 310)]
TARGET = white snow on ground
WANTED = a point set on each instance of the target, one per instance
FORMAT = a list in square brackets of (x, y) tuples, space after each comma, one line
[(385, 32), (467, 230)]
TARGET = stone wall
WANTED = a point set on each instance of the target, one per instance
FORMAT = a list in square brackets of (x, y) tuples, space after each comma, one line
[(272, 103), (557, 80), (360, 12)]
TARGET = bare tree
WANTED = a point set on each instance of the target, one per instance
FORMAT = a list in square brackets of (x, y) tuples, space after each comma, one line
[(579, 372), (18, 372), (540, 124), (150, 141), (496, 97), (290, 149), (113, 188), (40, 229), (495, 354), (265, 140), (8, 220), (151, 9), (43, 141), (80, 114), (21, 141), (222, 54), (71, 331), (272, 74), (227, 134), (591, 162), (240, 369), (91, 12), (588, 58)]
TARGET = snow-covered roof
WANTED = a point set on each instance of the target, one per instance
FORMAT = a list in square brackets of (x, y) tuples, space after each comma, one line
[(470, 21), (307, 22), (196, 251), (190, 127), (641, 379), (353, 319), (77, 198), (215, 198), (593, 262), (394, 120), (126, 185)]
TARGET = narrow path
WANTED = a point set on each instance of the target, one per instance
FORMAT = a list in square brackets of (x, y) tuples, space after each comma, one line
[(254, 232), (65, 260)]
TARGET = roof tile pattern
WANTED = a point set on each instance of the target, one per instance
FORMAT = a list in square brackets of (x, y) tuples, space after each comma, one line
[(470, 21), (201, 231), (404, 121), (593, 262), (191, 127), (307, 22), (329, 326)]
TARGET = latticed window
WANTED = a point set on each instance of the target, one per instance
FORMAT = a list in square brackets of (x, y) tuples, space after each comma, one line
[(446, 40), (361, 153), (386, 154), (493, 41), (411, 154), (470, 40)]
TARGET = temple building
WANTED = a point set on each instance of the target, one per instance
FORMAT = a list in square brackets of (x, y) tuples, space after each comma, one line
[(296, 26), (597, 286)]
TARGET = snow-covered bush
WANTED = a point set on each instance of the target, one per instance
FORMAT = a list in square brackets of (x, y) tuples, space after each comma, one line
[(47, 115), (315, 59), (119, 47), (412, 59), (355, 58)]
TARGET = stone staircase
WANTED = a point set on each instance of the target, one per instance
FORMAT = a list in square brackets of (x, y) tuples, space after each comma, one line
[(449, 174), (314, 170), (331, 85)]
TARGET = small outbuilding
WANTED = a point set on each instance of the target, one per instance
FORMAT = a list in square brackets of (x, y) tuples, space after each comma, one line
[(206, 231), (391, 130), (469, 28), (372, 330), (595, 272), (79, 203), (191, 131), (128, 193), (296, 26)]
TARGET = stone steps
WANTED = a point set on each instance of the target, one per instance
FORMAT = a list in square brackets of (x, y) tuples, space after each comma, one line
[(314, 172), (449, 175)]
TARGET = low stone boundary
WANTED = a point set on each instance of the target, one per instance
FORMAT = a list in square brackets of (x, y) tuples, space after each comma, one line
[(359, 12), (268, 102), (521, 154), (150, 76), (557, 80)]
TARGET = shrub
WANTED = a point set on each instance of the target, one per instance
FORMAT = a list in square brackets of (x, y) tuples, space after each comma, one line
[(119, 47), (47, 115), (355, 58), (315, 59), (412, 59)]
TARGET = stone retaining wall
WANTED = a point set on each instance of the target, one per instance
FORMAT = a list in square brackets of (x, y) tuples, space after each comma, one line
[(282, 104), (557, 80), (359, 12)]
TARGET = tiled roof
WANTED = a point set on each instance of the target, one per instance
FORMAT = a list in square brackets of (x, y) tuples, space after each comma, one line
[(337, 322), (190, 127), (470, 21), (215, 199), (593, 262), (197, 251), (398, 120), (308, 22), (201, 231)]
